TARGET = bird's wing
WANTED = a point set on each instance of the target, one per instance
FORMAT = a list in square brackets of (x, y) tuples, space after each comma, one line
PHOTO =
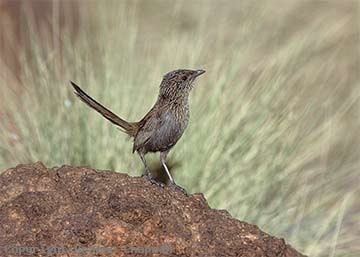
[(159, 133), (147, 126)]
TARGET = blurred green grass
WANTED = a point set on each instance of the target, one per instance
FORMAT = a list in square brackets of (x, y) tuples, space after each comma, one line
[(273, 136)]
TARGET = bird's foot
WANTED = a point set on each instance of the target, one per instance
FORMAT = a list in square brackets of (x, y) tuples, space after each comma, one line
[(177, 187), (152, 180)]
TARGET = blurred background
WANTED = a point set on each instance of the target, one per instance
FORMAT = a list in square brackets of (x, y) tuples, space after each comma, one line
[(274, 130)]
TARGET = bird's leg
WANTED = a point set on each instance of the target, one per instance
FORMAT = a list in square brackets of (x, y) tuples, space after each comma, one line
[(172, 181), (163, 162), (147, 172)]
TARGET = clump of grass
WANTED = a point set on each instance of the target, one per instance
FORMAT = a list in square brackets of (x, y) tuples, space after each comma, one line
[(268, 138)]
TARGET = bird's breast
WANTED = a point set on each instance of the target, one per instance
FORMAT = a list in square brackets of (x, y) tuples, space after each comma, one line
[(181, 116)]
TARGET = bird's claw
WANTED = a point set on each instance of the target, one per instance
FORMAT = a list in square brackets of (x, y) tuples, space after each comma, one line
[(159, 184), (152, 180), (177, 187)]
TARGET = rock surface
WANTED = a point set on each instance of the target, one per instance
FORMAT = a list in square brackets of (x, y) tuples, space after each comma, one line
[(78, 211)]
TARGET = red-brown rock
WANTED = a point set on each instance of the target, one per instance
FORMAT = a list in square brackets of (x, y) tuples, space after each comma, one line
[(73, 210)]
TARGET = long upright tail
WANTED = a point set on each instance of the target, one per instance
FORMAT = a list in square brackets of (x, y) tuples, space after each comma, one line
[(128, 127)]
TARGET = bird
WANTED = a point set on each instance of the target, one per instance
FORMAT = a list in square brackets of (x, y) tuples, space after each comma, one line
[(162, 127)]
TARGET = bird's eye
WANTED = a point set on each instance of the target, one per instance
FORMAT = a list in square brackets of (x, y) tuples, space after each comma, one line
[(184, 77)]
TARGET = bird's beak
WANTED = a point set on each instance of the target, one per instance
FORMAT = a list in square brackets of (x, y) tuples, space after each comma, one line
[(199, 72)]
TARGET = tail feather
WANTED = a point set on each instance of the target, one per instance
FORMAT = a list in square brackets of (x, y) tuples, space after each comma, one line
[(128, 127)]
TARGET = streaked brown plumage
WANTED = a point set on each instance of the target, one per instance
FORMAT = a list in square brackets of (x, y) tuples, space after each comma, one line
[(161, 128)]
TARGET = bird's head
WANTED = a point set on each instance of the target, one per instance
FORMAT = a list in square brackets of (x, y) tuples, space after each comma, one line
[(178, 82)]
